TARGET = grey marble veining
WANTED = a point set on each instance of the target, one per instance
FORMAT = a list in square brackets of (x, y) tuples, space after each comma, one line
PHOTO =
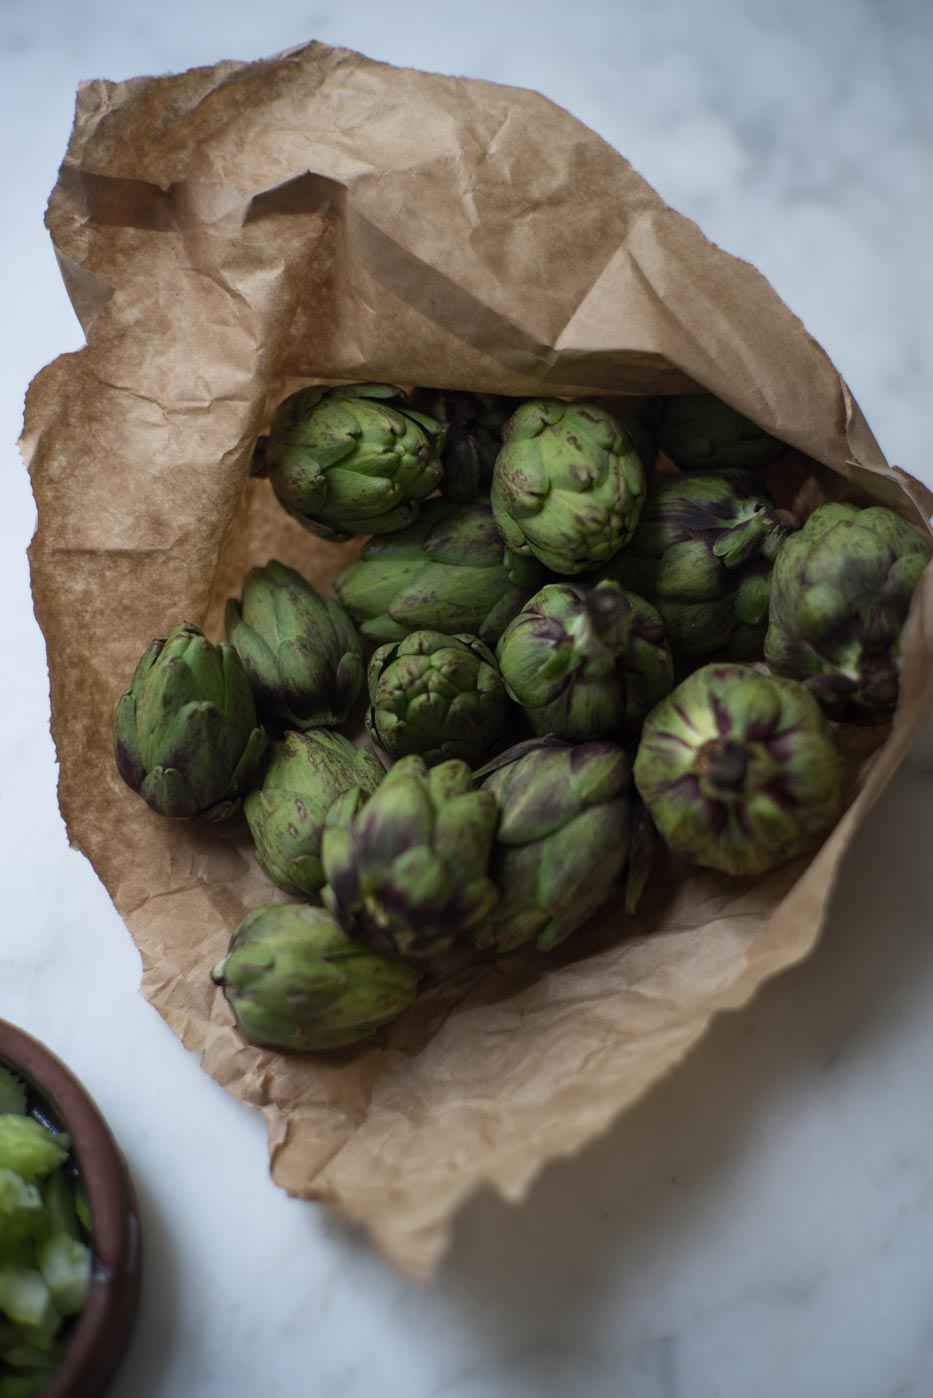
[(761, 1225)]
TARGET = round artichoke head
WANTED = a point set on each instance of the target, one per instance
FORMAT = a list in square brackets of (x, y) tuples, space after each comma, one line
[(449, 572), (840, 595), (294, 980), (305, 775), (351, 460), (302, 655), (702, 555), (700, 432), (563, 841), (185, 734), (585, 662), (472, 424), (437, 696), (407, 872), (568, 486), (738, 770)]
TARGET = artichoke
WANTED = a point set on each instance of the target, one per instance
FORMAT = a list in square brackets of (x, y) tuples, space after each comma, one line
[(585, 662), (302, 655), (839, 599), (700, 432), (185, 734), (352, 460), (294, 980), (472, 425), (286, 815), (568, 485), (448, 572), (702, 555), (738, 770), (437, 696), (567, 818), (408, 872)]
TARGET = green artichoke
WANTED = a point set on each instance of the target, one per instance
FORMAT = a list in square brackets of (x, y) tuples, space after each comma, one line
[(567, 819), (185, 734), (585, 662), (839, 599), (407, 872), (303, 656), (568, 485), (702, 555), (305, 775), (448, 572), (294, 980), (472, 424), (700, 432), (352, 460), (738, 770), (437, 696)]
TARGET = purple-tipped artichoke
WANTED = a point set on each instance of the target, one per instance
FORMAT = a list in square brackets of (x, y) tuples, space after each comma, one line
[(738, 771), (568, 486), (472, 424), (294, 980), (305, 774), (185, 734), (840, 595), (302, 654), (702, 555), (568, 830), (351, 460), (585, 662), (437, 696), (407, 872), (700, 432), (450, 572)]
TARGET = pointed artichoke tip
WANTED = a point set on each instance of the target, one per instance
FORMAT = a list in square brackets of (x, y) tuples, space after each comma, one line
[(217, 974)]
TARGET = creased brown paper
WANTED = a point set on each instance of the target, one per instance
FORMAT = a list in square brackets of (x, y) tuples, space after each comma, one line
[(235, 230)]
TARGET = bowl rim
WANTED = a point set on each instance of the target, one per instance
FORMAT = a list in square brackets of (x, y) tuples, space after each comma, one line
[(102, 1329)]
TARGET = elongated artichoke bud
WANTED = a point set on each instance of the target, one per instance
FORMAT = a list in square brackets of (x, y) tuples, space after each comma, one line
[(739, 771), (585, 662), (294, 980), (702, 555), (185, 734), (437, 696), (302, 654), (568, 486), (566, 820), (351, 460), (407, 871), (700, 432), (472, 424), (839, 599), (449, 572), (305, 775)]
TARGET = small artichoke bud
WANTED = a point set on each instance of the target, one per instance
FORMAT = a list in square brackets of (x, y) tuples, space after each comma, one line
[(305, 775), (294, 980), (350, 460), (408, 872), (840, 595), (700, 432), (739, 771), (472, 425), (185, 734), (568, 485), (437, 696), (303, 656), (585, 662)]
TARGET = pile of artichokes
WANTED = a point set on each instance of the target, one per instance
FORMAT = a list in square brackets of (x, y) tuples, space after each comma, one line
[(524, 645)]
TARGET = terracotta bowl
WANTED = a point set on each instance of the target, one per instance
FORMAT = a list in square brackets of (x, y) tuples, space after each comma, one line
[(100, 1333)]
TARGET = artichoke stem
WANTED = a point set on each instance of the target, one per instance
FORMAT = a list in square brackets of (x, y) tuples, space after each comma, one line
[(724, 764)]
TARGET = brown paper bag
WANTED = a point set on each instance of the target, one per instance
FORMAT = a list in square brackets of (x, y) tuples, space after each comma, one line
[(231, 232)]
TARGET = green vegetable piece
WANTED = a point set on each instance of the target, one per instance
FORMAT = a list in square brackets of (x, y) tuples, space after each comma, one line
[(28, 1148), (21, 1210), (65, 1264), (12, 1093), (24, 1385), (82, 1207), (26, 1299), (58, 1199)]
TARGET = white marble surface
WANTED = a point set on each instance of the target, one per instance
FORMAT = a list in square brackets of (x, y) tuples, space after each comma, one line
[(761, 1226)]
